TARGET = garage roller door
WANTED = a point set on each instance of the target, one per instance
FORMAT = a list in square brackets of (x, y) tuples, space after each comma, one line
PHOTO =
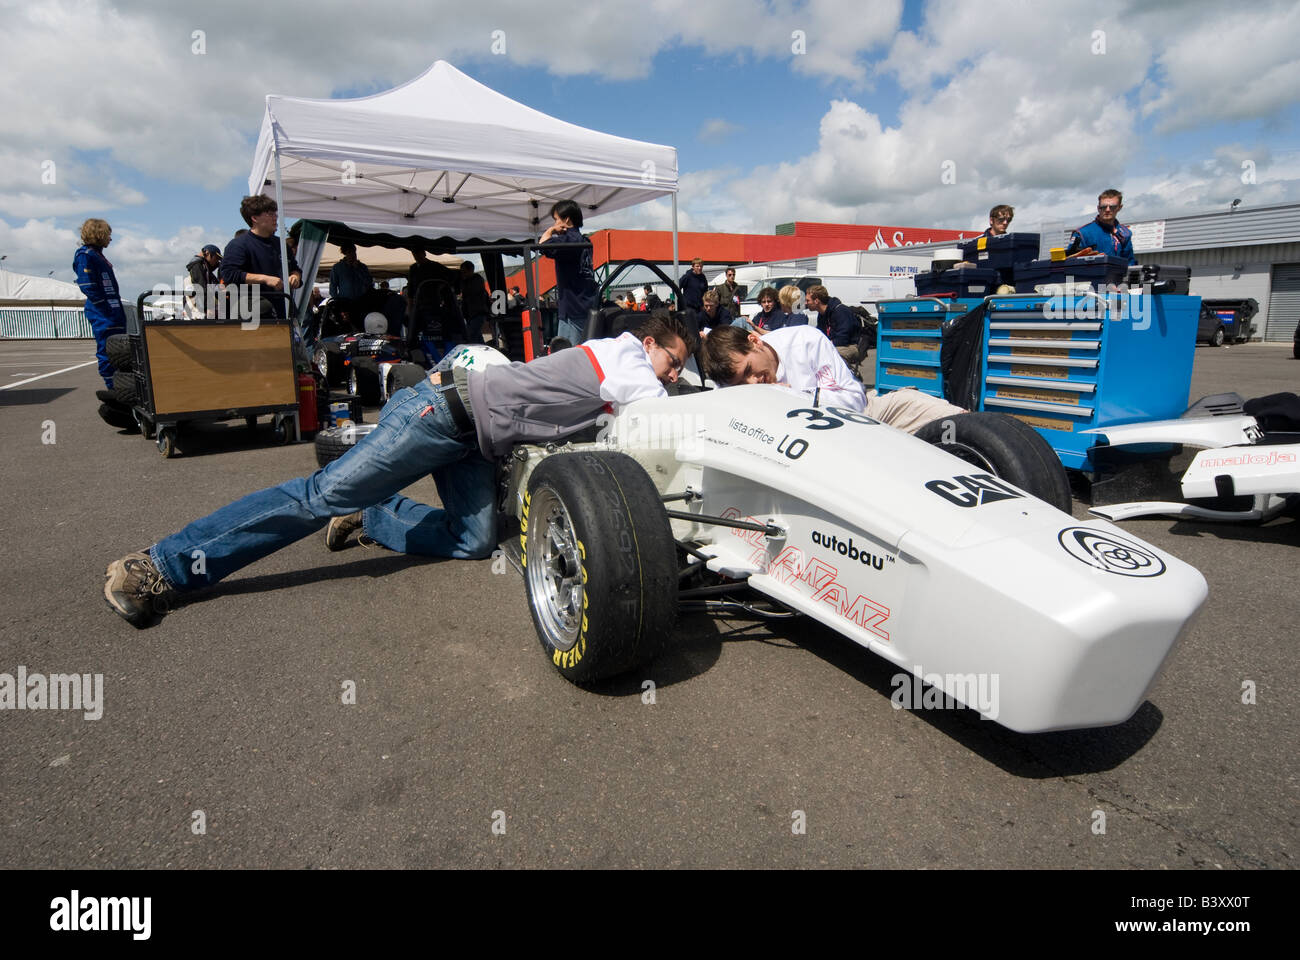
[(1283, 302)]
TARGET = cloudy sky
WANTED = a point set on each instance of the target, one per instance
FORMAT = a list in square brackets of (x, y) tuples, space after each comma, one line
[(856, 111)]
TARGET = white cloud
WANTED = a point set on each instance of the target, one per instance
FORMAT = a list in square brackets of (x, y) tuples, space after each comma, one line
[(1007, 102), (133, 80), (716, 130), (1014, 95), (37, 247), (703, 204), (1228, 67), (139, 258), (33, 185)]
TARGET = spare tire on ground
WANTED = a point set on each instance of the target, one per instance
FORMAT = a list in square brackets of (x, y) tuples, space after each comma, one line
[(118, 350), (120, 417), (333, 442), (1008, 448)]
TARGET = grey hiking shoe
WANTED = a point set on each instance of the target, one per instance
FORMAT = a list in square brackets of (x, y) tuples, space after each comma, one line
[(136, 590), (340, 528)]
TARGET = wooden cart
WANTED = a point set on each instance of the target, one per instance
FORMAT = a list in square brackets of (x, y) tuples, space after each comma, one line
[(211, 370)]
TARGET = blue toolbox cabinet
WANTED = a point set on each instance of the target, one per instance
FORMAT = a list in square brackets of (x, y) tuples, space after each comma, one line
[(1073, 363), (909, 335)]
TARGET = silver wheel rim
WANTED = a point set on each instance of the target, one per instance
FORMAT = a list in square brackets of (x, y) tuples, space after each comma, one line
[(970, 455), (554, 570), (352, 381)]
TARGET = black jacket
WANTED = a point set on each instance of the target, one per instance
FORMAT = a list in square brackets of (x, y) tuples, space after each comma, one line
[(840, 323), (693, 285)]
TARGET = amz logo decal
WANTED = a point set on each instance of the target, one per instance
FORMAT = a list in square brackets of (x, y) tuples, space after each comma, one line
[(1110, 552), (980, 488)]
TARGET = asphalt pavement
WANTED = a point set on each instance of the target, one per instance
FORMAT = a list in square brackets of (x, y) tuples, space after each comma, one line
[(227, 739)]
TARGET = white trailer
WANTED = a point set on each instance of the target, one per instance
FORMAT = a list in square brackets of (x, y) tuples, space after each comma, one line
[(875, 263), (852, 290)]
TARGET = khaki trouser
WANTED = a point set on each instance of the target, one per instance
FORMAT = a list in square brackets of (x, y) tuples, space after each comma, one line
[(908, 409), (850, 354)]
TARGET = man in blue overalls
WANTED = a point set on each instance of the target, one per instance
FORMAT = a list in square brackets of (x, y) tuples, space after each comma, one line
[(97, 282), (1105, 234)]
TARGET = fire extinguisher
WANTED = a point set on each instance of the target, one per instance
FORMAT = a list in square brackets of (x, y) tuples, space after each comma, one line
[(530, 351), (307, 419)]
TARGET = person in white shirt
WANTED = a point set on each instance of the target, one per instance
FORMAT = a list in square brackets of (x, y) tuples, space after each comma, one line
[(804, 360)]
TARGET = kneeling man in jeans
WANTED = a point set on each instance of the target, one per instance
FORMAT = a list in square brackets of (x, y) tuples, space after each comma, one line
[(451, 425)]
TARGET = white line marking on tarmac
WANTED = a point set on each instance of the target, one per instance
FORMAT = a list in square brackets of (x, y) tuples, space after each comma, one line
[(10, 386)]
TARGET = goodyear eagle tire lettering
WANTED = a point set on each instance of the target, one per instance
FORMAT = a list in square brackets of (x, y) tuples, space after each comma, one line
[(601, 569)]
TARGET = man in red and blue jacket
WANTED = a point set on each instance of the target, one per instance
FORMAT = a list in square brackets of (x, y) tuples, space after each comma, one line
[(1105, 234)]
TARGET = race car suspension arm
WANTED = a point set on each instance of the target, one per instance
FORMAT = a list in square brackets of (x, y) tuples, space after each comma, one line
[(701, 558), (712, 591), (771, 530), (767, 529), (693, 567), (696, 600), (720, 606), (688, 496)]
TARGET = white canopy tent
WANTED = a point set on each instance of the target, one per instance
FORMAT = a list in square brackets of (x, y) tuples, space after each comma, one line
[(445, 156), (18, 289)]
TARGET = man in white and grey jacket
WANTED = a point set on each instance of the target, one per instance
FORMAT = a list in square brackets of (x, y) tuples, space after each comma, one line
[(803, 359), (450, 426)]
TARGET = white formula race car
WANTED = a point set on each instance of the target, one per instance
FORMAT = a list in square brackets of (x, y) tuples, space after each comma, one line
[(945, 565), (1240, 473)]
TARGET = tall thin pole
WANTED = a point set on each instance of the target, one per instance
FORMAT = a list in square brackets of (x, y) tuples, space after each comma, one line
[(290, 312), (676, 266)]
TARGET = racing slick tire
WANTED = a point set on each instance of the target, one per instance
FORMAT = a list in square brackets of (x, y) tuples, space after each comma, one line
[(600, 564), (363, 380), (333, 442), (327, 358), (1006, 447), (402, 375), (117, 349)]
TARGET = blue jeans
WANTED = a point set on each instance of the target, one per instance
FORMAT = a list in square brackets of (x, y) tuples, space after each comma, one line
[(416, 435), (571, 329)]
